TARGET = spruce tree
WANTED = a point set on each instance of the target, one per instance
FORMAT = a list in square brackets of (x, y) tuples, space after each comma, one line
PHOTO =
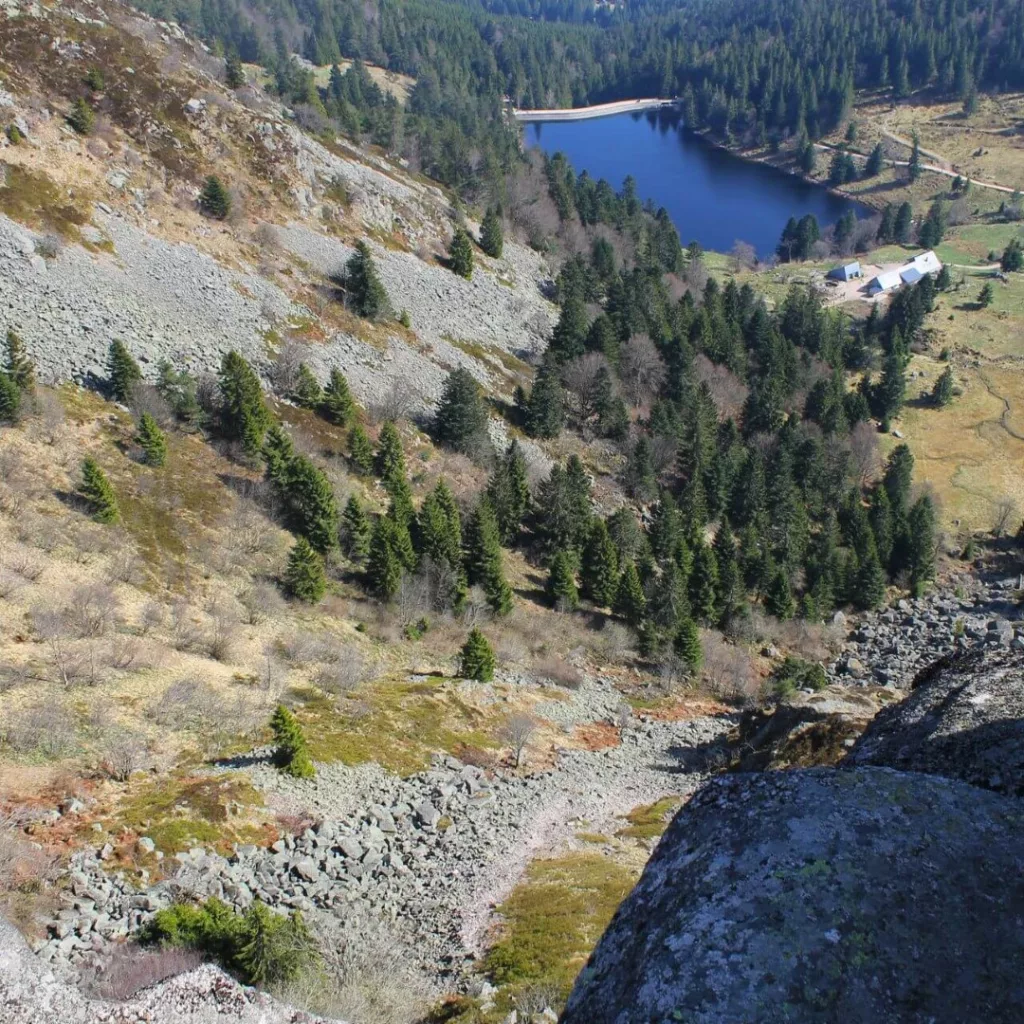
[(278, 452), (476, 660), (460, 254), (312, 505), (629, 540), (383, 568), (492, 237), (881, 518), (899, 469), (942, 392), (364, 293), (669, 603), (779, 598), (307, 393), (727, 560), (356, 529), (401, 513), (567, 506), (82, 117), (291, 754), (234, 73), (244, 416), (123, 372), (150, 438), (640, 478), (873, 166), (1012, 259), (703, 583), (903, 223), (561, 587), (630, 601), (892, 388), (439, 539), (509, 491), (986, 295), (304, 577), (600, 566), (461, 418), (10, 400), (921, 523), (99, 495), (337, 405), (360, 450), (545, 408), (483, 557), (914, 166), (687, 646), (869, 583), (215, 200), (17, 365), (389, 462)]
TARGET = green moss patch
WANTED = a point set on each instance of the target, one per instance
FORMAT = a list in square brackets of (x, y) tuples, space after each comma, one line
[(553, 920), (650, 820), (36, 200), (397, 724), (180, 812)]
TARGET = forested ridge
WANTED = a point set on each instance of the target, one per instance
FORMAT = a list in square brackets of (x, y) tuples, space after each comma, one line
[(743, 68)]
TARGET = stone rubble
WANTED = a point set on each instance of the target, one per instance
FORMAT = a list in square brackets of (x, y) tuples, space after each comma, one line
[(890, 647), (430, 854)]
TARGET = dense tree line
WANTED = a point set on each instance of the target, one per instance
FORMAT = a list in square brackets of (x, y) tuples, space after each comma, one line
[(743, 68)]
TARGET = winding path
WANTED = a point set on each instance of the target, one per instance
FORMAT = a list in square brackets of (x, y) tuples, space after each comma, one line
[(924, 167)]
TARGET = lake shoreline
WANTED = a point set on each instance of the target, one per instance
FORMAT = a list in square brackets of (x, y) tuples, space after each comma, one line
[(759, 157)]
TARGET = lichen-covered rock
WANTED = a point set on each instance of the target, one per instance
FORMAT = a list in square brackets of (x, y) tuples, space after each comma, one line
[(866, 896), (963, 719)]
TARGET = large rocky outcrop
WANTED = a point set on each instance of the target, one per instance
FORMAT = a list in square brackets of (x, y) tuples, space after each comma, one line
[(805, 730), (864, 896), (964, 719), (32, 993)]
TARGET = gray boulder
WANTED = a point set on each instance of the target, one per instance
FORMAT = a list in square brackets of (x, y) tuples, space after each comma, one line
[(867, 896), (964, 719)]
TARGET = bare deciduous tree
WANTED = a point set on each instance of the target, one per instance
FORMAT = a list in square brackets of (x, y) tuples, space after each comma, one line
[(124, 754), (1005, 515), (397, 403), (727, 391), (260, 601), (517, 732), (52, 627), (743, 255), (727, 669), (92, 610), (641, 369), (582, 379), (864, 451)]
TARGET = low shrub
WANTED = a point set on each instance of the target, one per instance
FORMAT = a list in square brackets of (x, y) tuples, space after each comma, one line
[(796, 674), (261, 947)]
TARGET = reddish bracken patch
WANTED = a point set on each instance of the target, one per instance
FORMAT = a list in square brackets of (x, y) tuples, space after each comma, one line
[(597, 736), (695, 707)]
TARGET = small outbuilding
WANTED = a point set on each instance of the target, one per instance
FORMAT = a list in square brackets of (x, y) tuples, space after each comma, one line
[(846, 272)]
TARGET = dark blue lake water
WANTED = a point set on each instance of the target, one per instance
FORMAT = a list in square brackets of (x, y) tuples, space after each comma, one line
[(711, 195)]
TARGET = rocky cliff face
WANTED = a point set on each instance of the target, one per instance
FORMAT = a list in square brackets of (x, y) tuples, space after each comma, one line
[(963, 719), (832, 894)]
